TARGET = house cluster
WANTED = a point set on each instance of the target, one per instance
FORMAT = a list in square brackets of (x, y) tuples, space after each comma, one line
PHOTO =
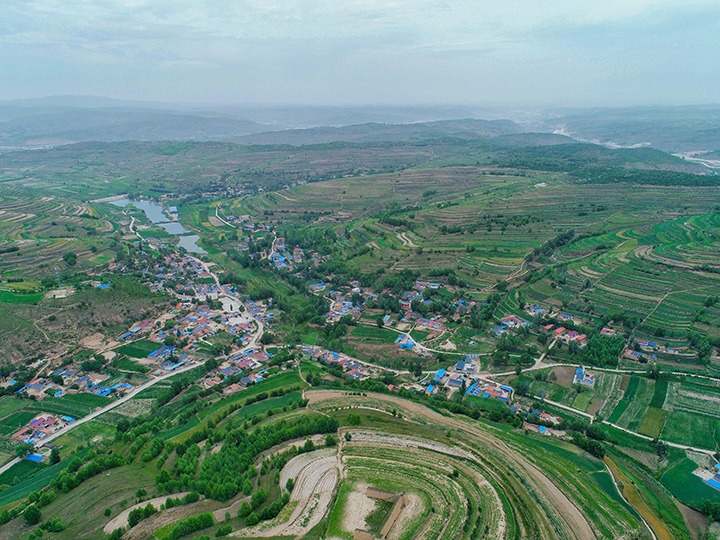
[(541, 422), (423, 285), (181, 269), (100, 384), (637, 356), (405, 342), (211, 381), (137, 330), (583, 377), (40, 427), (714, 480), (566, 336), (434, 324), (261, 311), (247, 365), (244, 222), (644, 351), (353, 369), (340, 306), (464, 374), (535, 310), (509, 323), (650, 346), (39, 388), (284, 258), (488, 388), (74, 380)]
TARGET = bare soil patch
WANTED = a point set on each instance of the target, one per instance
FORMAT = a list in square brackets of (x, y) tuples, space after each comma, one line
[(358, 506)]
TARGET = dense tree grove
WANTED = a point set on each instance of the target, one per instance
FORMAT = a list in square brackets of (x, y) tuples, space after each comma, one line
[(221, 475), (602, 351)]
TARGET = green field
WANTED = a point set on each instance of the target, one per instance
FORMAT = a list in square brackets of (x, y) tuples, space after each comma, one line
[(9, 405), (15, 421), (74, 405), (653, 422), (126, 364), (692, 429), (375, 335), (689, 488), (139, 349), (15, 298), (626, 400)]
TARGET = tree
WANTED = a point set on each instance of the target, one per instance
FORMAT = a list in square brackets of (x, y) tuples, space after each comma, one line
[(32, 515), (55, 456), (70, 258), (379, 321), (523, 389), (223, 531), (354, 419), (661, 448), (245, 510), (259, 497), (23, 449)]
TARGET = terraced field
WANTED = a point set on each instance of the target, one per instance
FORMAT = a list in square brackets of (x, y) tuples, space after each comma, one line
[(634, 252), (44, 228), (476, 481)]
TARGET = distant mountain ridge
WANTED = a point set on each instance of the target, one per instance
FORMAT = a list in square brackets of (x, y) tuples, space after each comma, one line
[(467, 128), (672, 129), (25, 126)]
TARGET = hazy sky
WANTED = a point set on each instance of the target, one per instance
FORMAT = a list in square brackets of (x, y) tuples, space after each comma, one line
[(479, 52)]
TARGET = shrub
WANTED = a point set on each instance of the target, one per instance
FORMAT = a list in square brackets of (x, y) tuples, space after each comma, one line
[(223, 531), (245, 510), (32, 515), (53, 525)]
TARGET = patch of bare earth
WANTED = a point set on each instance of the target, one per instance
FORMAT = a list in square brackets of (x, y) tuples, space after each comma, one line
[(358, 506)]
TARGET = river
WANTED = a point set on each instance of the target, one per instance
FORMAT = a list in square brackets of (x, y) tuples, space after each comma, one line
[(156, 214)]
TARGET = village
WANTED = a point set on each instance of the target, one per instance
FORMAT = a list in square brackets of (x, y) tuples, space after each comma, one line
[(204, 310)]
